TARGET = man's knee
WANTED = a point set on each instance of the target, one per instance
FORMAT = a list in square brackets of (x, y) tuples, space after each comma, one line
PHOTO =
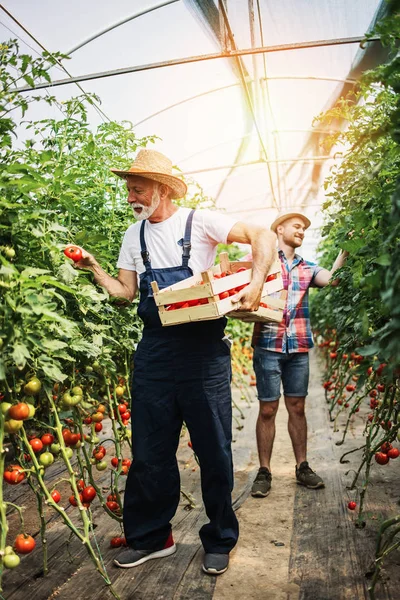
[(268, 410), (295, 406)]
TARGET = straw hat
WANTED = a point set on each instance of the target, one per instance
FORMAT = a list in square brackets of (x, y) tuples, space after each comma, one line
[(289, 215), (154, 165)]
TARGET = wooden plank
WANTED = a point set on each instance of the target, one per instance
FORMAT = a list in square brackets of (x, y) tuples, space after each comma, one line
[(328, 552)]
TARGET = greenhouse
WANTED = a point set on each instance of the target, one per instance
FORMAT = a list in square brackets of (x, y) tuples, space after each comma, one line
[(200, 291)]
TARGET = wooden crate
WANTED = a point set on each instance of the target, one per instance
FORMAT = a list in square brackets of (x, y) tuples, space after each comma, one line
[(207, 287)]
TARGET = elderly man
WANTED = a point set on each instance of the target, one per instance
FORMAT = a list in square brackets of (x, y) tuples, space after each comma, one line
[(281, 355), (182, 372)]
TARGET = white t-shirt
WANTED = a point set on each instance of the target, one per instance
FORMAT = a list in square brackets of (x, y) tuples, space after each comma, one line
[(164, 241)]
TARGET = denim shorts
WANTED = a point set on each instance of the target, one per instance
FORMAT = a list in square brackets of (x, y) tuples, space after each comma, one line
[(273, 367)]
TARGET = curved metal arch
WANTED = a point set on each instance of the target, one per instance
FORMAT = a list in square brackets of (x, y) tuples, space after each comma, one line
[(225, 87), (119, 23)]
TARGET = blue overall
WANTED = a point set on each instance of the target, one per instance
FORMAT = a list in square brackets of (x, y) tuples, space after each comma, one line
[(181, 373)]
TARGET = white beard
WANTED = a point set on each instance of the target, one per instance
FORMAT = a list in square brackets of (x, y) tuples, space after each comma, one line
[(146, 211)]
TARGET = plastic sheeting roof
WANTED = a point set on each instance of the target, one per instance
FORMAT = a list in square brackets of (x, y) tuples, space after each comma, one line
[(206, 135)]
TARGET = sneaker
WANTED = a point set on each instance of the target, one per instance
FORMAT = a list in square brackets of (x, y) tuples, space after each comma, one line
[(132, 558), (306, 476), (215, 564), (262, 483)]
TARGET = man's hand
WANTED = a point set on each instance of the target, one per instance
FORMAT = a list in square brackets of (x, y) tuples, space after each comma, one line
[(249, 297)]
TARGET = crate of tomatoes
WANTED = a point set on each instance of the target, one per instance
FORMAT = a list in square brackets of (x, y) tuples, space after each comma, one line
[(206, 296)]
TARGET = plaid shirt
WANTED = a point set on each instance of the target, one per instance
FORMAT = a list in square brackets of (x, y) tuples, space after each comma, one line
[(293, 333)]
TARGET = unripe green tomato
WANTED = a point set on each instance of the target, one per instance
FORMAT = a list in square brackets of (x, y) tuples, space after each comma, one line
[(1, 343), (69, 452), (55, 448), (12, 425), (32, 411), (86, 405), (77, 445), (77, 391), (4, 406), (17, 388), (33, 387), (398, 436), (89, 369), (101, 466), (95, 439), (29, 400), (9, 252), (93, 461), (8, 550), (46, 459), (11, 561), (71, 400)]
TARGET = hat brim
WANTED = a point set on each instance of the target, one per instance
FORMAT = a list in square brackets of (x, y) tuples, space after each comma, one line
[(284, 218), (178, 186)]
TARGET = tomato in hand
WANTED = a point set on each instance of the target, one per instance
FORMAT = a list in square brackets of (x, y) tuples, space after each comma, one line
[(73, 252)]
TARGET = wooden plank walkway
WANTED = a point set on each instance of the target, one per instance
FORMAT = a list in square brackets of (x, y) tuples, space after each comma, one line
[(329, 556), (72, 574)]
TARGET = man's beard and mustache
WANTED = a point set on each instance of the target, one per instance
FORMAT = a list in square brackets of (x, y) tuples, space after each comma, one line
[(293, 242), (146, 211)]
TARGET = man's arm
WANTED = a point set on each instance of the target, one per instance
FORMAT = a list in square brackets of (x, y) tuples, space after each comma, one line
[(325, 276), (263, 248), (124, 286)]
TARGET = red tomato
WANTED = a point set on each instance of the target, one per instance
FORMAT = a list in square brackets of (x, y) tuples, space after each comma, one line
[(114, 462), (87, 420), (373, 394), (394, 453), (380, 387), (381, 458), (80, 485), (121, 408), (98, 427), (333, 355), (99, 452), (271, 277), (14, 474), (350, 388), (111, 498), (115, 542), (56, 496), (36, 444), (24, 544), (352, 506), (47, 439), (126, 462), (19, 411), (185, 305), (73, 500), (223, 295), (386, 446), (88, 494), (203, 301), (193, 302), (74, 253), (113, 506), (241, 269)]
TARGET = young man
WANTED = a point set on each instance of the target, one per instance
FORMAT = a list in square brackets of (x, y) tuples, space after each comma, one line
[(281, 354), (182, 372)]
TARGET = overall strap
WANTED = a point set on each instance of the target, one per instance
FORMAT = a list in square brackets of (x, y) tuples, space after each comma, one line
[(143, 248), (187, 246)]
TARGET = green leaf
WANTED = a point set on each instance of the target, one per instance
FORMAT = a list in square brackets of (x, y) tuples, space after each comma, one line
[(20, 354), (369, 350), (383, 260)]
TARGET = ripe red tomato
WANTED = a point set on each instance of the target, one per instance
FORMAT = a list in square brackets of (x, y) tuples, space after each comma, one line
[(111, 498), (73, 500), (115, 542), (386, 446), (19, 411), (381, 458), (393, 453), (24, 544), (114, 462), (373, 394), (350, 388), (80, 485), (14, 474), (352, 506), (241, 269), (380, 387), (36, 444), (223, 295), (47, 439), (56, 496), (99, 452), (113, 506), (271, 277), (121, 408), (333, 355), (73, 252), (98, 427), (89, 493)]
